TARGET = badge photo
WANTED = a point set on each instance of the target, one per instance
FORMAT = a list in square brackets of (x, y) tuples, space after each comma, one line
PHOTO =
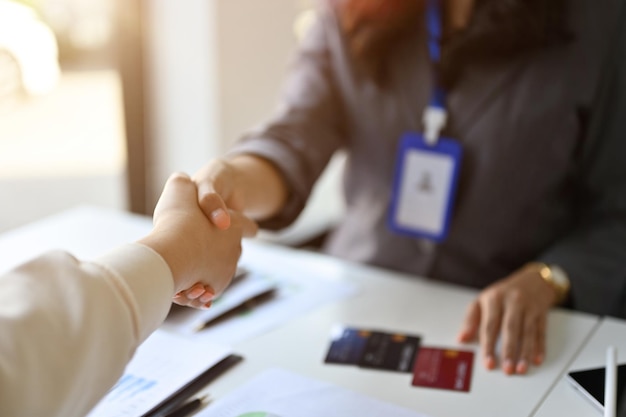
[(424, 187)]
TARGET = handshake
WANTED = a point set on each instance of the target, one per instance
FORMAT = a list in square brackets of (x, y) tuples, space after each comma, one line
[(199, 237), (199, 222)]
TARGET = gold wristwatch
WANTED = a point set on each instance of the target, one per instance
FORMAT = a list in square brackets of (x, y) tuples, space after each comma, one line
[(555, 277)]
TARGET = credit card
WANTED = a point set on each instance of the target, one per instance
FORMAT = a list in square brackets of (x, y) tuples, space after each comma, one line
[(390, 351), (347, 345), (443, 368)]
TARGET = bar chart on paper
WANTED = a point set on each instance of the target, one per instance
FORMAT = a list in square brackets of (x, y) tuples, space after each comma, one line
[(163, 364), (131, 394), (129, 387)]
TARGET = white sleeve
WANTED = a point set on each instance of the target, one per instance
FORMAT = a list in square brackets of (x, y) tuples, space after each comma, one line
[(68, 328)]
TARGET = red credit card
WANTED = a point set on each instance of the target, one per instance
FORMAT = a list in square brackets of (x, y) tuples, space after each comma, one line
[(443, 368)]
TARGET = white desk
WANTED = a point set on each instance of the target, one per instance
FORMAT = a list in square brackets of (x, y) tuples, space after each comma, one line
[(85, 231), (563, 400), (402, 303), (386, 301)]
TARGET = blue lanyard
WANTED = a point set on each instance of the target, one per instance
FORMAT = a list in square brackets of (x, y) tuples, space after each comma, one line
[(435, 33)]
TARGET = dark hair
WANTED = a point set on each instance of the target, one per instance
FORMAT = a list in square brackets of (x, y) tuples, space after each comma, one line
[(498, 30)]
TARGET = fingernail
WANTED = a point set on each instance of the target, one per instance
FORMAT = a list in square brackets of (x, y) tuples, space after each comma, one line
[(218, 213), (508, 366), (195, 293), (220, 218), (490, 362), (206, 297), (207, 305), (522, 367), (539, 359)]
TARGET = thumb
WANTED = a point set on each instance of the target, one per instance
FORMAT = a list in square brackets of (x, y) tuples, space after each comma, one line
[(211, 201)]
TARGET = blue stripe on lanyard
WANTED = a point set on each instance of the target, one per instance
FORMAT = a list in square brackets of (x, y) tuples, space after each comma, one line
[(435, 33)]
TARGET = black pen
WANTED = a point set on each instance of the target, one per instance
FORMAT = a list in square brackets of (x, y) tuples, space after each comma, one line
[(192, 387), (188, 408), (245, 306)]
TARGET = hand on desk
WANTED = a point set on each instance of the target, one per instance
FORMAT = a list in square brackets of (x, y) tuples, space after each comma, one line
[(202, 258), (515, 309)]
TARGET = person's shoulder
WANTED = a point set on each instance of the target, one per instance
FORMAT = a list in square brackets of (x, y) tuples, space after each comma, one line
[(328, 11), (324, 26)]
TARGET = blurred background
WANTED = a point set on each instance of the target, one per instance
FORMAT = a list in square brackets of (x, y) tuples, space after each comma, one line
[(101, 100)]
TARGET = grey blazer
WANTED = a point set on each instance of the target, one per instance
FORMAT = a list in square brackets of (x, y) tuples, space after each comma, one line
[(543, 174)]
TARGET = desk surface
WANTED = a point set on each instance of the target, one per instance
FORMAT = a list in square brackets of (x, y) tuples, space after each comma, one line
[(408, 304), (386, 301)]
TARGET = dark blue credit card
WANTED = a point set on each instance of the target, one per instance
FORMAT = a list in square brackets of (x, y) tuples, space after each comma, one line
[(347, 345)]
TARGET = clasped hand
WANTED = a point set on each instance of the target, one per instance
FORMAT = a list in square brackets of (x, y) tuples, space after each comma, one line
[(202, 256)]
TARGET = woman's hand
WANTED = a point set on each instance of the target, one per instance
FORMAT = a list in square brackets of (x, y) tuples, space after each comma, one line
[(246, 183), (217, 191), (515, 309)]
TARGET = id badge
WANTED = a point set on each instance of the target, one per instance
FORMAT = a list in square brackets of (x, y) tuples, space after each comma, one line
[(424, 187)]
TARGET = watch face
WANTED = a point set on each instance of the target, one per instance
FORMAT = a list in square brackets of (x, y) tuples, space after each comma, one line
[(560, 278), (554, 276)]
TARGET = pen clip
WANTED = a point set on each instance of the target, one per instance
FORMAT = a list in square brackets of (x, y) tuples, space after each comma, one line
[(190, 407)]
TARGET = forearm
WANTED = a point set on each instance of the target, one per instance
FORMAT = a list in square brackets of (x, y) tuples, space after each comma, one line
[(68, 328)]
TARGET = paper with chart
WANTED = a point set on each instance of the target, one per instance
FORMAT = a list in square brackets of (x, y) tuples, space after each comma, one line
[(295, 293), (163, 364), (279, 393)]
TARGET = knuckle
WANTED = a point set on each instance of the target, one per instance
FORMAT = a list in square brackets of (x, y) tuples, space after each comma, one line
[(499, 292), (179, 176), (493, 293)]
